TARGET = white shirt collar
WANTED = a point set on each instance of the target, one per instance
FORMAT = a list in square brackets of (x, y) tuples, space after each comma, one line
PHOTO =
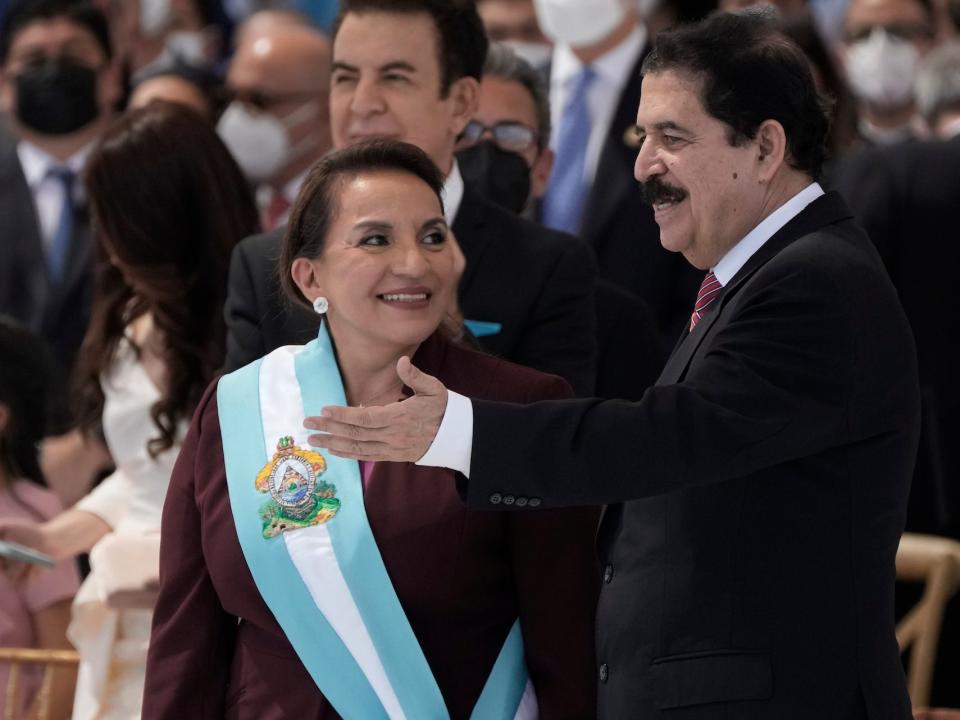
[(452, 193), (36, 163), (613, 67), (737, 256)]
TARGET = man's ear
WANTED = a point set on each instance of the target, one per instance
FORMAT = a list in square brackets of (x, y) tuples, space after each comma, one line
[(772, 149), (465, 96), (110, 86), (540, 173), (6, 94)]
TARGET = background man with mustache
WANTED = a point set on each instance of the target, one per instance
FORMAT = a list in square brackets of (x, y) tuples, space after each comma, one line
[(757, 493)]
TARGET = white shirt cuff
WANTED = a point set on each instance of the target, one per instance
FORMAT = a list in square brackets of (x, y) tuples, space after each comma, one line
[(453, 446)]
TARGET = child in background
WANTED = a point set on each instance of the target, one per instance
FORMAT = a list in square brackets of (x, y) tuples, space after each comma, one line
[(34, 611)]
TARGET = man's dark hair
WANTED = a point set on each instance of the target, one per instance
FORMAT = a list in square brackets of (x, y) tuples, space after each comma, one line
[(318, 203), (461, 40), (80, 12), (748, 73)]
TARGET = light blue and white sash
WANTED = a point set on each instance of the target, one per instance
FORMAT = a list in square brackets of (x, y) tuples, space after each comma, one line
[(326, 583)]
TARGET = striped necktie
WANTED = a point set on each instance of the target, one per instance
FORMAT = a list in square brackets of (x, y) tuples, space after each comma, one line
[(710, 290)]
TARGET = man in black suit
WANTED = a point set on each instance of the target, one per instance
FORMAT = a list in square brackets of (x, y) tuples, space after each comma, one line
[(757, 493), (526, 292), (610, 40), (57, 87)]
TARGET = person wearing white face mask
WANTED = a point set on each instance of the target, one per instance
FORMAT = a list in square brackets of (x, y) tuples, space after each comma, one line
[(170, 31), (594, 93), (278, 124), (885, 41), (514, 24)]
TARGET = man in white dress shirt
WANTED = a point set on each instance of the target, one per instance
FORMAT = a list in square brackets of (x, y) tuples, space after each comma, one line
[(756, 494), (594, 93)]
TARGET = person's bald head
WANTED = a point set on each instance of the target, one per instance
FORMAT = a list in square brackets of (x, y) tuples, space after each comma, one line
[(281, 66), (278, 54)]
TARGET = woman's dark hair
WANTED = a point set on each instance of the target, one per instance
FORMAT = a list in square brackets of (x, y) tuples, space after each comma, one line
[(25, 373), (317, 204), (462, 41), (168, 204), (80, 12), (748, 73)]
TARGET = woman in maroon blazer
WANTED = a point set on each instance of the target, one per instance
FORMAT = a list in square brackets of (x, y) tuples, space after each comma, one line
[(368, 234)]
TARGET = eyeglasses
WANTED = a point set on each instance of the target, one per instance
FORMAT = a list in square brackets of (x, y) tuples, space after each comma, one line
[(508, 135)]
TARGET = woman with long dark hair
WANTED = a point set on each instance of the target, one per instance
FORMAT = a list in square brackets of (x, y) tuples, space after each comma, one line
[(35, 612), (169, 204)]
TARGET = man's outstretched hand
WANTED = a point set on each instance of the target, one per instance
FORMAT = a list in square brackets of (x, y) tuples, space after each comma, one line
[(400, 432)]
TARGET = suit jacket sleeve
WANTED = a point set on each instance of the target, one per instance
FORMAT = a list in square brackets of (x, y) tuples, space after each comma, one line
[(191, 646), (242, 311), (778, 382), (560, 337), (557, 577)]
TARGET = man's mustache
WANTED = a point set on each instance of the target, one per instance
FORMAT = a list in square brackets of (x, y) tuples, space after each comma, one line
[(656, 191)]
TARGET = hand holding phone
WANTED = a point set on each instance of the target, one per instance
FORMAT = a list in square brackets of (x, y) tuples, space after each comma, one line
[(23, 554)]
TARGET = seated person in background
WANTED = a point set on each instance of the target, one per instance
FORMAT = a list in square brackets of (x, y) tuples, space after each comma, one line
[(504, 155), (410, 70), (34, 613), (192, 87), (298, 585), (155, 341)]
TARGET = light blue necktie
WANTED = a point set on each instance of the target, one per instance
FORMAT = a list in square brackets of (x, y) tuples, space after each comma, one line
[(60, 245), (566, 191)]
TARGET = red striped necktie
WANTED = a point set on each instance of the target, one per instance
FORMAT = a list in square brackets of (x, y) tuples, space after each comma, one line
[(710, 290)]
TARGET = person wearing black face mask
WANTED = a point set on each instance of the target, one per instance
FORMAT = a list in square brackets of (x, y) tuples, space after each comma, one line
[(57, 86), (504, 155)]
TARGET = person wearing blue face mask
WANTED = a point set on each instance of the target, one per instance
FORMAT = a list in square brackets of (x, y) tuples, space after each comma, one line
[(57, 87)]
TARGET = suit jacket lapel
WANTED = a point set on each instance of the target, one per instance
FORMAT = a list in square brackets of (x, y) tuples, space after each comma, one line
[(468, 227), (20, 230), (825, 210)]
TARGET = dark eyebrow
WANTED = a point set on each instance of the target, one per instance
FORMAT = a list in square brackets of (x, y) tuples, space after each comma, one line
[(373, 225), (339, 65), (397, 65), (438, 222), (665, 125)]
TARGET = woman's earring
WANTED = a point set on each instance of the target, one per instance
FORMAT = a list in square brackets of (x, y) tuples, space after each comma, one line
[(320, 305)]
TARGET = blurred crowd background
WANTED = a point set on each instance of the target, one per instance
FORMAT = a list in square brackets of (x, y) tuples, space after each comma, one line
[(141, 141)]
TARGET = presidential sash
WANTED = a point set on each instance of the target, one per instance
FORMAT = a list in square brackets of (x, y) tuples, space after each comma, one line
[(304, 533)]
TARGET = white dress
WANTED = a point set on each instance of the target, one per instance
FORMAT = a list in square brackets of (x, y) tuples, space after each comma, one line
[(113, 644)]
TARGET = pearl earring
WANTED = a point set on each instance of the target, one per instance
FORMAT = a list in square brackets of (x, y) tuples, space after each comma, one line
[(320, 305)]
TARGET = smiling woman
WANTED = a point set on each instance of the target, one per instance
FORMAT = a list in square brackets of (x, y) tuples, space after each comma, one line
[(363, 590)]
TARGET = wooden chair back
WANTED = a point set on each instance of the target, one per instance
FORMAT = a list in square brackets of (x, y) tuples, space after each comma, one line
[(50, 659)]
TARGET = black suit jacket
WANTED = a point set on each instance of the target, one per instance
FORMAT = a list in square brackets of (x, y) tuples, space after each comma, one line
[(757, 492), (629, 358), (58, 312), (537, 283), (619, 226)]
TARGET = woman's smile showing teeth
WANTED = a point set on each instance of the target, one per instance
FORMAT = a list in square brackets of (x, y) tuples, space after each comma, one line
[(406, 298)]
